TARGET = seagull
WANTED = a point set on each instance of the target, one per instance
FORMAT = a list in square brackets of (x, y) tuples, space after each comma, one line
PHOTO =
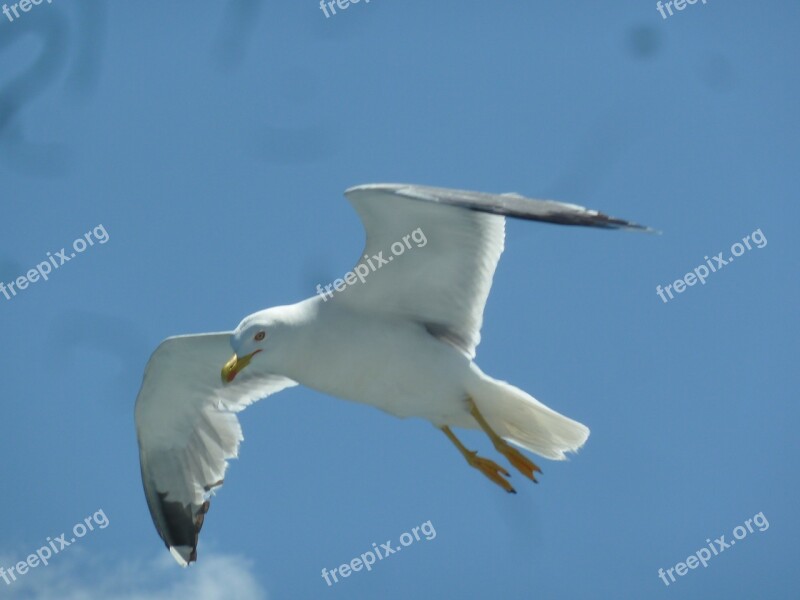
[(400, 335)]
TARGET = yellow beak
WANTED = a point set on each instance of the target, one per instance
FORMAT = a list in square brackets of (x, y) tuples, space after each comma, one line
[(235, 365)]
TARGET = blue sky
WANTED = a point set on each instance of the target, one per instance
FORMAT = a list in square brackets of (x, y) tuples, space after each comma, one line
[(213, 141)]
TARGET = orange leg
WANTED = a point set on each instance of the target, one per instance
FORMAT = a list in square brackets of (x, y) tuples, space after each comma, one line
[(488, 467), (524, 465)]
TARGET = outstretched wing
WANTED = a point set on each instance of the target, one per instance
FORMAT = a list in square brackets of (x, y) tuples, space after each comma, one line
[(444, 283), (187, 428)]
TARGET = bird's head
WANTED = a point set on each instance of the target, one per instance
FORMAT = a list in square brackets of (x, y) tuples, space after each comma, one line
[(250, 338)]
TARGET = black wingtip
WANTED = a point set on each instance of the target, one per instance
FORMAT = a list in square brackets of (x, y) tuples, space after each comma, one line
[(179, 526), (631, 226), (593, 218)]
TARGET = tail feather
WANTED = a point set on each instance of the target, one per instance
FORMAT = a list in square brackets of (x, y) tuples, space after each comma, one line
[(523, 420)]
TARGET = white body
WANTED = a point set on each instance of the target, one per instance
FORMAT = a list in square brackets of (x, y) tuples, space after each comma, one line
[(433, 387), (399, 367)]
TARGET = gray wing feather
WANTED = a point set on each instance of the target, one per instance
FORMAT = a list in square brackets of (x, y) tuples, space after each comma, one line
[(509, 205)]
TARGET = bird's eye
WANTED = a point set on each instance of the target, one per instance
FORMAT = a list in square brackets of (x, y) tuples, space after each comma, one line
[(260, 336)]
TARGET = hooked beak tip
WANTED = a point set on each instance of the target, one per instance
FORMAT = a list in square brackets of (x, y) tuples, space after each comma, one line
[(230, 370), (235, 365)]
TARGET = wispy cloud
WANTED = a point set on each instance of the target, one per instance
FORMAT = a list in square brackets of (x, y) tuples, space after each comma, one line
[(81, 577)]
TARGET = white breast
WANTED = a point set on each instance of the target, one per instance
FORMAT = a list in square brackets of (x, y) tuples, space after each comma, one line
[(393, 365)]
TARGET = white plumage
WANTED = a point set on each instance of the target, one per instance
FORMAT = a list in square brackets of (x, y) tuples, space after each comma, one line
[(402, 340)]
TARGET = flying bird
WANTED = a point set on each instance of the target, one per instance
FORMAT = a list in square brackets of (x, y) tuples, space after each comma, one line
[(411, 322)]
